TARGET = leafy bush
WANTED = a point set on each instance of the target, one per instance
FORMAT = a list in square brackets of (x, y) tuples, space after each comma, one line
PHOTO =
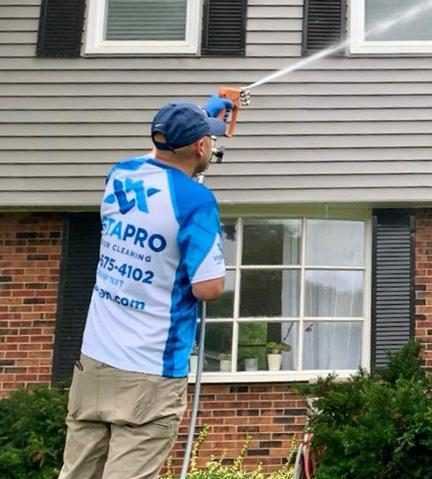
[(375, 426), (32, 434), (216, 469)]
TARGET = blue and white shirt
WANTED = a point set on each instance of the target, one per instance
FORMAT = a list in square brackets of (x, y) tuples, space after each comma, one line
[(160, 234)]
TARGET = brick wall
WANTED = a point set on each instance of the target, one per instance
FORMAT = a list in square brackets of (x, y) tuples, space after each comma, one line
[(423, 283), (30, 252), (271, 414)]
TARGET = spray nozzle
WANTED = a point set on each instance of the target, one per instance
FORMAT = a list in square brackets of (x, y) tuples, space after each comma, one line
[(217, 154), (245, 97)]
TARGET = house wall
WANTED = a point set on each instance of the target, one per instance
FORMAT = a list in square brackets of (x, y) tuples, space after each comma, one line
[(272, 414), (30, 254), (342, 130)]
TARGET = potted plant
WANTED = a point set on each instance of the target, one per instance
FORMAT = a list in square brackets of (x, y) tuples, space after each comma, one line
[(251, 364), (274, 354), (225, 362)]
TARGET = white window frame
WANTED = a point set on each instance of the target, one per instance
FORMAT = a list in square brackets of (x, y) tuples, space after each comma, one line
[(299, 375), (358, 44), (96, 45)]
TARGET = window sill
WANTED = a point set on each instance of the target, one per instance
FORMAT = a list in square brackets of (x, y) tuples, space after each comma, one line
[(271, 377), (391, 48), (139, 55), (134, 49)]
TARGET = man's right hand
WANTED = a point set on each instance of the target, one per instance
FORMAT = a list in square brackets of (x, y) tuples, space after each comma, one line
[(216, 105)]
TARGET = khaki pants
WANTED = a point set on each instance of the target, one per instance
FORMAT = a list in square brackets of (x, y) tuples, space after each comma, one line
[(121, 425)]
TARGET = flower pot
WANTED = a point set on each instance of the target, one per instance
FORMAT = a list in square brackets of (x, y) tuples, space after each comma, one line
[(193, 364), (225, 365), (274, 362), (251, 364)]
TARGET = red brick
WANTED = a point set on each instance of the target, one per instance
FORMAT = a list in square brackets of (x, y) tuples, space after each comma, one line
[(16, 354), (41, 339), (9, 347), (30, 331), (26, 377), (17, 339), (39, 354)]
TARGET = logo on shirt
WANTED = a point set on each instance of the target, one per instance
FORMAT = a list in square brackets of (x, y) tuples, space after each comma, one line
[(130, 193), (219, 258)]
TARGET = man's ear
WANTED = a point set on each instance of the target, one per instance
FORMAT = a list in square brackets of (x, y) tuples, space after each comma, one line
[(199, 147)]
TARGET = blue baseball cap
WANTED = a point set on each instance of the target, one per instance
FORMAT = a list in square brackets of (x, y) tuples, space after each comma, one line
[(182, 124)]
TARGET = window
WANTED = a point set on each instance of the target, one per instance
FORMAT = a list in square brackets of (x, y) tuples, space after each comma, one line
[(143, 26), (412, 33), (302, 283)]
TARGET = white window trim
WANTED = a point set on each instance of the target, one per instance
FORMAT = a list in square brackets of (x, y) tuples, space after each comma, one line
[(295, 375), (358, 44), (96, 45)]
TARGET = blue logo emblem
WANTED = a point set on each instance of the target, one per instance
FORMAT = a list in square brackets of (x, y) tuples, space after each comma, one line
[(129, 194)]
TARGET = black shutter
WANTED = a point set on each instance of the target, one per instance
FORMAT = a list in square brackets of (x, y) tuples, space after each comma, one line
[(80, 255), (224, 28), (60, 28), (393, 283), (324, 24)]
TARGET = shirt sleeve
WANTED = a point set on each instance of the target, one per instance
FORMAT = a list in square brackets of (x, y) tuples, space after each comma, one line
[(200, 244)]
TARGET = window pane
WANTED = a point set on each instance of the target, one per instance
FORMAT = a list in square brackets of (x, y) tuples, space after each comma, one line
[(224, 306), (218, 347), (146, 20), (253, 339), (334, 243), (272, 242), (332, 345), (269, 293), (229, 235), (415, 28), (334, 293)]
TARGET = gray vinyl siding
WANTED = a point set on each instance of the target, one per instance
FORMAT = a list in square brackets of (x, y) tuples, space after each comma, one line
[(345, 130)]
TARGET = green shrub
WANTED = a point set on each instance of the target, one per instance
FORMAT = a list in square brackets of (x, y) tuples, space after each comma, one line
[(375, 426), (32, 434)]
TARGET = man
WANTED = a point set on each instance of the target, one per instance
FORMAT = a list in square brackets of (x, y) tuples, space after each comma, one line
[(160, 253)]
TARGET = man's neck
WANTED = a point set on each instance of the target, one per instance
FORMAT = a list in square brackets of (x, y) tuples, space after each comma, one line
[(170, 160)]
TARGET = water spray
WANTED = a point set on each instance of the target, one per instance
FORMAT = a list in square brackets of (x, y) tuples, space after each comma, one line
[(381, 27), (241, 96)]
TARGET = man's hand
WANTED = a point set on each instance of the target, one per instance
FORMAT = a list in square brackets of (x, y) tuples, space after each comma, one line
[(215, 105)]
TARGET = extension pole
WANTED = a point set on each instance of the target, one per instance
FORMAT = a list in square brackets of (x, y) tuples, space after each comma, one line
[(197, 390)]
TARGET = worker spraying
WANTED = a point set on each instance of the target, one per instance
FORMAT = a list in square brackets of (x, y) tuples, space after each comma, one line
[(160, 254)]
